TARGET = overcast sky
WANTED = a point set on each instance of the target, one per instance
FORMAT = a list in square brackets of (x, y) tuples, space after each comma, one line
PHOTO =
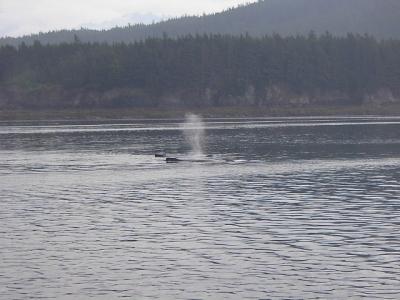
[(18, 17)]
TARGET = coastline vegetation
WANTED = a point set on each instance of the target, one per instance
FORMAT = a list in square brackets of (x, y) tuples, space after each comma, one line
[(219, 74)]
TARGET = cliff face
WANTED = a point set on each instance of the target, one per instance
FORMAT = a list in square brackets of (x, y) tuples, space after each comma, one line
[(274, 96)]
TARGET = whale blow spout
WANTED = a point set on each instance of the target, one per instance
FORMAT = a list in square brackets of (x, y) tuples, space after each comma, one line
[(193, 129)]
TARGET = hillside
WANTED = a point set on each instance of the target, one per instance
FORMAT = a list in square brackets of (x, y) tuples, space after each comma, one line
[(202, 71), (380, 18)]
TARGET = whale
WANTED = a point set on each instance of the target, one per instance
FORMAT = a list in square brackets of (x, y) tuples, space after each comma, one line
[(172, 160), (186, 159)]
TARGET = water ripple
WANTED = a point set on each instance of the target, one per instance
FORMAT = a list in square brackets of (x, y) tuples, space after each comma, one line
[(101, 224)]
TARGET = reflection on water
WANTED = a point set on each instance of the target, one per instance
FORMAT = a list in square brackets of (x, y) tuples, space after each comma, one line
[(283, 209)]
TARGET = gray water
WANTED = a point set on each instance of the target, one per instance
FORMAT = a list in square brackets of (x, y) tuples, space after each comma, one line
[(282, 209)]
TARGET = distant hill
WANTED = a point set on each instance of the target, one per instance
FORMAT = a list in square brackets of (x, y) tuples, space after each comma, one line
[(380, 18)]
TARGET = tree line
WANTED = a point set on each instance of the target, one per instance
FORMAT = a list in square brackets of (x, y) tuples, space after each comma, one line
[(212, 67), (376, 17)]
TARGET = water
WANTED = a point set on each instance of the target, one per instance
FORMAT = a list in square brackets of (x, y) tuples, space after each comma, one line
[(283, 209)]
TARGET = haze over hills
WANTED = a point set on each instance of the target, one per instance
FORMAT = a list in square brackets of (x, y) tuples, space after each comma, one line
[(380, 18)]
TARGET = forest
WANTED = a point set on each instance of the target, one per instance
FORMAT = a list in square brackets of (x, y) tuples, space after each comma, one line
[(202, 71)]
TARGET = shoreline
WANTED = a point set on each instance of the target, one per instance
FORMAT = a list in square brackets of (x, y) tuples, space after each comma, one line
[(214, 112)]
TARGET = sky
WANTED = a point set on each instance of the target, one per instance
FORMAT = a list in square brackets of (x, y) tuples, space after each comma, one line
[(19, 17)]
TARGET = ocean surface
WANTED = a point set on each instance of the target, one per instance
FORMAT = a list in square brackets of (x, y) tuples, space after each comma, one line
[(300, 208)]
